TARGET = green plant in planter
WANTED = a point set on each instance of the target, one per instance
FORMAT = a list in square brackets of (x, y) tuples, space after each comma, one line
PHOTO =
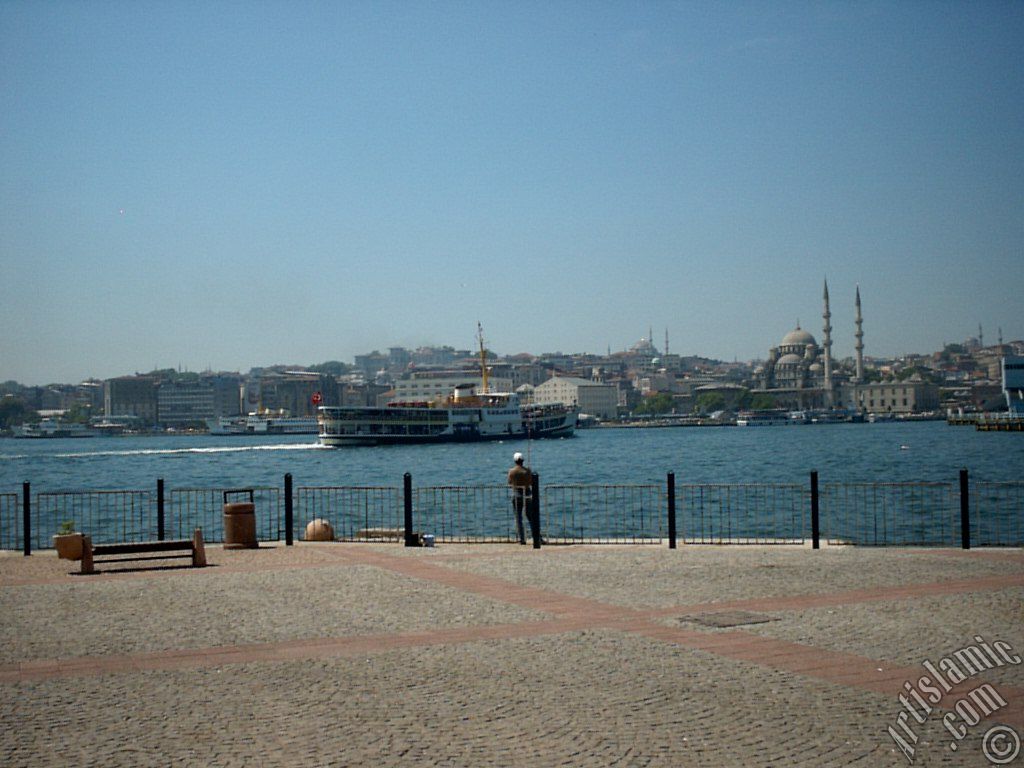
[(68, 542)]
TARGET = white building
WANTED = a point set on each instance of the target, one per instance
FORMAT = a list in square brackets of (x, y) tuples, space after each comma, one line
[(592, 397), (427, 386), (1013, 384)]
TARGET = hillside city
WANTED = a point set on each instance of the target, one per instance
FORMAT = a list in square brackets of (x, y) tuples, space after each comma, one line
[(640, 382)]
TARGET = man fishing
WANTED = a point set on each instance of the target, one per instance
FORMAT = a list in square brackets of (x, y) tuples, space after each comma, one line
[(520, 480)]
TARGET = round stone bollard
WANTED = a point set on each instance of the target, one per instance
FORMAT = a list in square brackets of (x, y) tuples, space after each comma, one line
[(319, 530)]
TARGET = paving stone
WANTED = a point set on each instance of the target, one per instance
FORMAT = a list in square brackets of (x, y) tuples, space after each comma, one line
[(328, 655)]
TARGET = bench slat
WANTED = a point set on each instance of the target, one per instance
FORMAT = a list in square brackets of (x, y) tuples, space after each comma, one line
[(113, 560), (131, 548)]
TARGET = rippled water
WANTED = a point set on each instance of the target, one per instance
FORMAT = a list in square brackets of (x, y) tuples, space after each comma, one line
[(840, 453)]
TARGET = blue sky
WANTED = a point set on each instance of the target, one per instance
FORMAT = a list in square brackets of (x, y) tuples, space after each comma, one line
[(234, 184)]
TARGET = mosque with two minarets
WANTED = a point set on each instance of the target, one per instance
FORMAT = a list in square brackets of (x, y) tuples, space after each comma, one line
[(801, 374)]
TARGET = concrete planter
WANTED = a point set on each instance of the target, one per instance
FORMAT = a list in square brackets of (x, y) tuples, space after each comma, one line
[(69, 546)]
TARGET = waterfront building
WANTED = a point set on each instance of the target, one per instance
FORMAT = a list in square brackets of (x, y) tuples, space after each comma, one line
[(131, 396), (1013, 384), (185, 403), (912, 395), (593, 398), (292, 392), (191, 402)]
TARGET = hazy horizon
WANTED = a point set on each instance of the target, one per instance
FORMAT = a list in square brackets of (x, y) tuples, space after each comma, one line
[(200, 186)]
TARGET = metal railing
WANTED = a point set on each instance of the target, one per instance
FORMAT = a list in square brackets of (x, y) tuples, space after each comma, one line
[(742, 513), (601, 514), (108, 516), (191, 508), (977, 513), (891, 514), (355, 513), (10, 521), (465, 514), (997, 514)]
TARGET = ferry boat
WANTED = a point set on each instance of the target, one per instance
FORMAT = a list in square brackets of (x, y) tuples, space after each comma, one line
[(466, 416), (53, 428), (770, 418), (263, 423)]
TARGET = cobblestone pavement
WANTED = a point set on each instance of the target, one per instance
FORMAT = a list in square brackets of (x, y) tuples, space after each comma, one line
[(467, 655)]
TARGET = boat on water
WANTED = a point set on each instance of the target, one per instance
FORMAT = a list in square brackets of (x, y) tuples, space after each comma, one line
[(770, 418), (467, 415), (775, 418), (53, 428), (263, 423)]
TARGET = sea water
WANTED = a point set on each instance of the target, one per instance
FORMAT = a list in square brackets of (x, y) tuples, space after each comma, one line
[(883, 452)]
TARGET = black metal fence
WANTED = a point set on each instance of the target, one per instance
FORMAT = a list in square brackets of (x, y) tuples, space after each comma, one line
[(597, 514), (355, 513), (897, 514), (191, 508), (743, 514), (997, 514), (971, 513)]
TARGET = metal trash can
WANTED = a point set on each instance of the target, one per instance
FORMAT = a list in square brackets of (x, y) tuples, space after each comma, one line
[(240, 521)]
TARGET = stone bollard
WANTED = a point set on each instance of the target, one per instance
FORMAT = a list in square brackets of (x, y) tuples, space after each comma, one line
[(319, 530)]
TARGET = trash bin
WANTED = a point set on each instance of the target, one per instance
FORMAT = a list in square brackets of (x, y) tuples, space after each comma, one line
[(240, 521)]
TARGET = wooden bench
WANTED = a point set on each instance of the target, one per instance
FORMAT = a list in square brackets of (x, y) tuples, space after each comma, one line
[(144, 550)]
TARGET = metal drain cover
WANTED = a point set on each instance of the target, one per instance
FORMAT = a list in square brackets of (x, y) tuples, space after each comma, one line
[(725, 619)]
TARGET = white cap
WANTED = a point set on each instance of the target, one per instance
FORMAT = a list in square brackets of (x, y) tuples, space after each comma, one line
[(517, 456)]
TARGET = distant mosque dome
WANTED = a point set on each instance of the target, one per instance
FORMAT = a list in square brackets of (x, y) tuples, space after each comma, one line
[(798, 337), (789, 359)]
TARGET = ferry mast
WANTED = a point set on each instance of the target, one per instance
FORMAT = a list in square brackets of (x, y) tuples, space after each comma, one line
[(483, 358)]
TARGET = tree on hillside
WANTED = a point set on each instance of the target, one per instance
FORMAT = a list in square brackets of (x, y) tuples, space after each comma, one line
[(657, 403), (14, 411), (762, 402), (709, 402)]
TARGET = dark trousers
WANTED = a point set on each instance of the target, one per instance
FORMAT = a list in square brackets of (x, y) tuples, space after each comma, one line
[(521, 502)]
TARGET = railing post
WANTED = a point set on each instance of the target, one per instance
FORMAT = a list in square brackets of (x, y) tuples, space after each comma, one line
[(160, 508), (815, 526), (289, 522), (26, 516), (965, 510), (535, 503), (671, 510), (407, 501)]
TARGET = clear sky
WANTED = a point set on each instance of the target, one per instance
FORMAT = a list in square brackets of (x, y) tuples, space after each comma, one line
[(229, 184)]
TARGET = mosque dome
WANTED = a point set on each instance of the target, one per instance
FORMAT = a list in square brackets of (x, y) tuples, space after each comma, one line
[(798, 337), (790, 359)]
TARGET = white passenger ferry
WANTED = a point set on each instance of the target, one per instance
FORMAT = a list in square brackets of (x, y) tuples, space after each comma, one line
[(466, 416), (263, 423)]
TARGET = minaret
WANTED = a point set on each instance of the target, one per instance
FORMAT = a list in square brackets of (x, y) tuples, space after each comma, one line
[(981, 337), (860, 341), (827, 346), (666, 342), (1000, 336)]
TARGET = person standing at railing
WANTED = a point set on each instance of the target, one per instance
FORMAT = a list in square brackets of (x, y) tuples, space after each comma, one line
[(520, 482)]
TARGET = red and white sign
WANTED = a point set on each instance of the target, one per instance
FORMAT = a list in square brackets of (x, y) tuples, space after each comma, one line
[(317, 398)]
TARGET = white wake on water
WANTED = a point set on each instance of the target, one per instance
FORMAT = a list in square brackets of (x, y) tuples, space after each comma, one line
[(172, 451)]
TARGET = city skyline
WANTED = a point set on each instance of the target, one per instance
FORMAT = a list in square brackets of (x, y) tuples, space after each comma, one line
[(189, 186)]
